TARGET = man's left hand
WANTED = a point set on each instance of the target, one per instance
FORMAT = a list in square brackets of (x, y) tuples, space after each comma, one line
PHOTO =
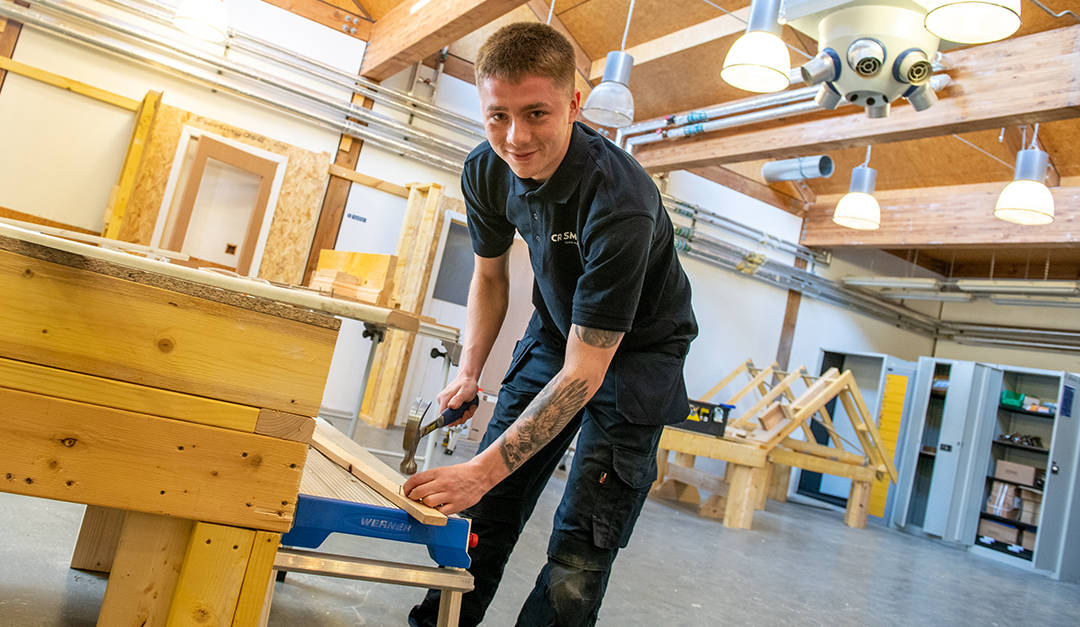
[(449, 489)]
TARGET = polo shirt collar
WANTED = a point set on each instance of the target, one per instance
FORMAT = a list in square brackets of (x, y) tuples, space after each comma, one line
[(564, 182)]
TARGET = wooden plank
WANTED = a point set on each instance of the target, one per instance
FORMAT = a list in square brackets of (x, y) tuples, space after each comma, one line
[(368, 181), (9, 36), (278, 424), (855, 514), (19, 375), (714, 390), (773, 415), (960, 215), (1049, 61), (68, 84), (791, 317), (826, 419), (814, 390), (98, 538), (140, 135), (826, 452), (757, 380), (71, 451), (325, 478), (817, 464), (697, 478), (449, 608), (680, 40), (144, 574), (712, 447), (377, 475), (779, 476), (768, 194), (258, 576), (335, 15), (83, 321), (212, 574), (747, 483)]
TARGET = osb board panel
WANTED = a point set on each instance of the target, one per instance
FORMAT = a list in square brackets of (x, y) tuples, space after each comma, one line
[(295, 215)]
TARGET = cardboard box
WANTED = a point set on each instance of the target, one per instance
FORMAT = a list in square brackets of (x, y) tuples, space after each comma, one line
[(1003, 500), (1029, 511), (1011, 471), (1027, 540), (999, 532)]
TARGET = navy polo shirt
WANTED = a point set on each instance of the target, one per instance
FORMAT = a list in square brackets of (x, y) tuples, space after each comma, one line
[(602, 250)]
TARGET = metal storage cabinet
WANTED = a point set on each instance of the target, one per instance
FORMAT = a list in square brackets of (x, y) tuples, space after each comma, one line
[(936, 472)]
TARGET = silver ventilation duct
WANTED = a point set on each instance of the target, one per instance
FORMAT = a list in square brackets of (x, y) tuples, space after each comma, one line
[(797, 169)]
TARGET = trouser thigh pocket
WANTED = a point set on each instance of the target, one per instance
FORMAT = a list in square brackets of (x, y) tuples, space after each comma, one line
[(620, 496)]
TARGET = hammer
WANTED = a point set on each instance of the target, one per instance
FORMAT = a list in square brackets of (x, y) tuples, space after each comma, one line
[(414, 433)]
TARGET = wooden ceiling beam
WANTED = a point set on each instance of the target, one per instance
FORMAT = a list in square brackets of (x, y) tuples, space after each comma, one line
[(683, 39), (582, 61), (1023, 80), (417, 28), (957, 215), (1017, 139), (340, 15), (754, 189)]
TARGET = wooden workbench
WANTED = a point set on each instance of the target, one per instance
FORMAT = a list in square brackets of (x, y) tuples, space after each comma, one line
[(179, 405)]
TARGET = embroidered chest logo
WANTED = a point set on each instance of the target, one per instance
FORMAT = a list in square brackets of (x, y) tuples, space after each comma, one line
[(568, 237)]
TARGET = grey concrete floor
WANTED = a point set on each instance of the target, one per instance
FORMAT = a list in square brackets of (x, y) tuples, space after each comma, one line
[(799, 565)]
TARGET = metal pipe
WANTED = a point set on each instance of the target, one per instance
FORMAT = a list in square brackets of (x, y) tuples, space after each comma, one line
[(409, 133), (797, 169), (167, 11), (775, 113), (331, 75), (37, 20)]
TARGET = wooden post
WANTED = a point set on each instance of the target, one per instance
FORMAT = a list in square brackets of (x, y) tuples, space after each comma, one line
[(778, 482), (858, 499), (99, 536), (212, 575), (145, 570), (661, 467), (763, 494), (449, 608), (743, 496)]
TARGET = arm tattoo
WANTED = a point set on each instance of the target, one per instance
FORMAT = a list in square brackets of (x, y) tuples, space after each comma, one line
[(542, 420), (598, 337)]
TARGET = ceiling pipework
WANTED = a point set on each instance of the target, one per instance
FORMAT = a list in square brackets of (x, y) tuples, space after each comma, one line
[(870, 52), (798, 169)]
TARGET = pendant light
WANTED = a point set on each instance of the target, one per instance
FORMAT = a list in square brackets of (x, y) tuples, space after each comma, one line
[(858, 209), (205, 19), (610, 103), (973, 21), (758, 60), (1027, 200)]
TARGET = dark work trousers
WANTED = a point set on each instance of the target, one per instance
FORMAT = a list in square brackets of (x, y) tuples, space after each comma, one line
[(613, 468)]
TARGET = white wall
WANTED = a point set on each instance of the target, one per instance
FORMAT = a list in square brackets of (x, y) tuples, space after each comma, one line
[(63, 152)]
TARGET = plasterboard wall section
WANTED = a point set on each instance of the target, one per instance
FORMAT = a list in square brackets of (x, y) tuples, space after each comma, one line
[(51, 134)]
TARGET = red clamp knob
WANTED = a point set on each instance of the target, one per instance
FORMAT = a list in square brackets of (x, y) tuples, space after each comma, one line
[(473, 540)]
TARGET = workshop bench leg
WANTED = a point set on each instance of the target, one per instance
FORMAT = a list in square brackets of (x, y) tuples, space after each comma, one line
[(449, 608), (858, 500), (747, 484)]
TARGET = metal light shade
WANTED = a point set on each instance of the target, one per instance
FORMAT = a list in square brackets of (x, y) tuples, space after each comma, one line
[(1027, 200), (205, 19), (858, 209), (973, 21), (610, 103), (758, 60)]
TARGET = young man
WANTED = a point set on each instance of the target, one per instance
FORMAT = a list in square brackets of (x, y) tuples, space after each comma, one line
[(603, 354)]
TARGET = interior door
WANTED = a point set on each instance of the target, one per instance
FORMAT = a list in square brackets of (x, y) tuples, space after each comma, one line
[(950, 444)]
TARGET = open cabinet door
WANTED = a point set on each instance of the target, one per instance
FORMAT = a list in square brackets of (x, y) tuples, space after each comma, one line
[(1057, 545), (943, 482)]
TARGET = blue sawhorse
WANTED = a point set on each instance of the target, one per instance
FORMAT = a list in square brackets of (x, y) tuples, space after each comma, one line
[(318, 517)]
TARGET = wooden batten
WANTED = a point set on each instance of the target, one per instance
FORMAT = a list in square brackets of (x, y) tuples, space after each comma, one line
[(278, 424), (212, 574), (146, 569), (71, 451), (712, 447)]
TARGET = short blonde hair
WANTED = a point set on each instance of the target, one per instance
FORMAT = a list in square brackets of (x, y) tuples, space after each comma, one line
[(526, 48)]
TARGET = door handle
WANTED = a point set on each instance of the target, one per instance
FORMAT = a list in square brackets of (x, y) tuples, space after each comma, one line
[(946, 447), (1054, 468)]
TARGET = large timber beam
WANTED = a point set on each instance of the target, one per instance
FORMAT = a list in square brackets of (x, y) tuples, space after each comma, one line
[(1028, 79), (340, 15), (683, 39), (960, 215), (417, 28)]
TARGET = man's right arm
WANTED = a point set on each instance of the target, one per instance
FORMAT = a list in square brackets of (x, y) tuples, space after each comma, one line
[(489, 296)]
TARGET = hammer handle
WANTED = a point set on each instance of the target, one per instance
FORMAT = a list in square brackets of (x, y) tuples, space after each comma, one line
[(449, 416)]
